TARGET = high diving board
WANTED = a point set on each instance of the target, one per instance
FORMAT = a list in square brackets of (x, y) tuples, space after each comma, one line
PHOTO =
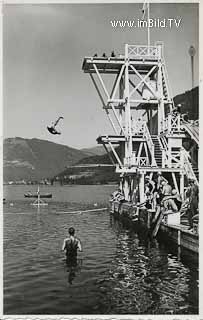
[(113, 65)]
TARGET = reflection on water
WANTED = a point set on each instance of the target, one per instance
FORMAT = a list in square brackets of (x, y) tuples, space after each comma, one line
[(146, 279), (73, 268), (119, 272)]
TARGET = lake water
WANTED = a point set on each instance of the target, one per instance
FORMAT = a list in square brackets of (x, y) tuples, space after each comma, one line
[(118, 272)]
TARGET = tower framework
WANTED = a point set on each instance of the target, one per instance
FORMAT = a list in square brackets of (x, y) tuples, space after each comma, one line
[(147, 132)]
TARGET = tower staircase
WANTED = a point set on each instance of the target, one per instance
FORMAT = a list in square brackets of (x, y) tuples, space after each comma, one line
[(157, 151)]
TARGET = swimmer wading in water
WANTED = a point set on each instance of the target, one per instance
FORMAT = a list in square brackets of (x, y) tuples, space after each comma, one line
[(71, 245)]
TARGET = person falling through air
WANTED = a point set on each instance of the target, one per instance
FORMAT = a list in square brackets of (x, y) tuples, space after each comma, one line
[(71, 245), (52, 129)]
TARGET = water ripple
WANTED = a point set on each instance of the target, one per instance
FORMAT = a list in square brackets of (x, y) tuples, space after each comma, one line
[(118, 272)]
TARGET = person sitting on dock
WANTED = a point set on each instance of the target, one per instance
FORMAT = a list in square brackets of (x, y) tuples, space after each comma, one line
[(118, 196), (172, 202), (160, 179), (158, 188), (165, 191), (71, 245)]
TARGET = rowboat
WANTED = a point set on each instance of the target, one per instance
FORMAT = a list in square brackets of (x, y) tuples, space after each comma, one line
[(35, 195)]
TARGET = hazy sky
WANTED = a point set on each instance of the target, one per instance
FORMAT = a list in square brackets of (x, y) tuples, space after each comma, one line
[(44, 46)]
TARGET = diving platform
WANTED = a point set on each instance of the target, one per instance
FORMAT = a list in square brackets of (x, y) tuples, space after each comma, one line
[(111, 65), (93, 165), (143, 57), (147, 169), (116, 139)]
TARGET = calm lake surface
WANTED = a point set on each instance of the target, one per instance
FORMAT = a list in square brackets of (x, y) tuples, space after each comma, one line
[(118, 272)]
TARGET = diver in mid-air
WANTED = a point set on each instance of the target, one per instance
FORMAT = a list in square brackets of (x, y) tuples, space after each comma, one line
[(52, 129)]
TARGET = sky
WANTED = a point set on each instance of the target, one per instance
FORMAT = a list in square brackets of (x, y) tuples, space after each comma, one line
[(43, 49)]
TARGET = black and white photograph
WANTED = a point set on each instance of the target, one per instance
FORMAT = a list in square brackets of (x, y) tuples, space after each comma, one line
[(100, 159)]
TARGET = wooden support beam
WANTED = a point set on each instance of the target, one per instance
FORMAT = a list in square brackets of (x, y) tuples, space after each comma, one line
[(140, 150), (115, 154), (121, 93), (141, 188), (182, 185), (109, 154), (175, 182), (117, 61), (144, 101), (116, 101), (114, 85), (117, 82), (98, 91), (128, 130), (112, 123), (133, 85), (126, 188), (161, 111), (150, 120), (101, 80), (118, 120), (146, 150), (145, 82), (104, 106)]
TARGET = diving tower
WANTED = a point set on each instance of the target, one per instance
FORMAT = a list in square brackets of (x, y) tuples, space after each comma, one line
[(147, 134)]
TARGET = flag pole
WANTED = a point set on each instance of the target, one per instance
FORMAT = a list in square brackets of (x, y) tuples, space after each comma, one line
[(148, 29)]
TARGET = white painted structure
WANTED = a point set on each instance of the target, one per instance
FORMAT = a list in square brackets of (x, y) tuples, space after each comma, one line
[(140, 109)]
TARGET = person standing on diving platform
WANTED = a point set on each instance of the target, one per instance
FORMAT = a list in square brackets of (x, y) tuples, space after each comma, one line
[(71, 245)]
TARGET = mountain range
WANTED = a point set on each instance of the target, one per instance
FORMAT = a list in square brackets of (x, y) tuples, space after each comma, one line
[(34, 159)]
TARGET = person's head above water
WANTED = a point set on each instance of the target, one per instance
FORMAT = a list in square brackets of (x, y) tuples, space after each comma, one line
[(71, 231)]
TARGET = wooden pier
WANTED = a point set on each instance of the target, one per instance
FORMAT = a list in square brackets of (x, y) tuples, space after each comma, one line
[(178, 234)]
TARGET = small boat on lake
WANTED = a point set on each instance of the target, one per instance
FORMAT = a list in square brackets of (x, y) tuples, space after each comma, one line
[(35, 195)]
